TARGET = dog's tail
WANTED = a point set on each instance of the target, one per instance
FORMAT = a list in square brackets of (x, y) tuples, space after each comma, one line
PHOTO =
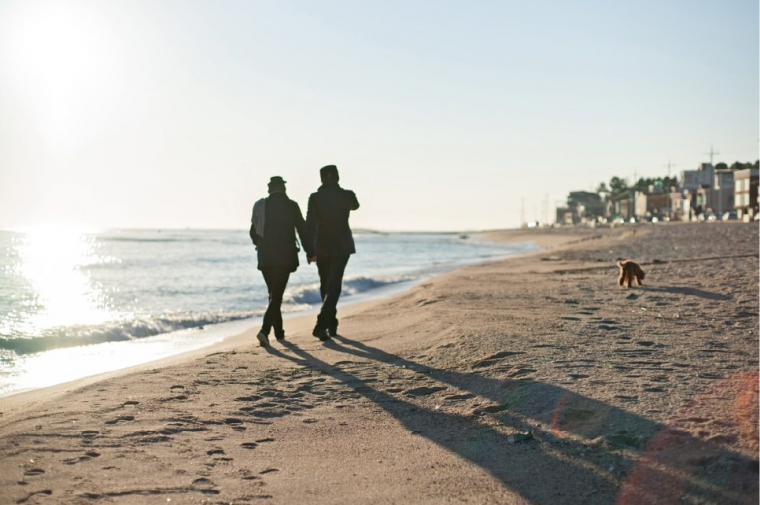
[(620, 264)]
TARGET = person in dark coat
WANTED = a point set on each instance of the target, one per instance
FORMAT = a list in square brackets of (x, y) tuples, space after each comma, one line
[(333, 243), (273, 231)]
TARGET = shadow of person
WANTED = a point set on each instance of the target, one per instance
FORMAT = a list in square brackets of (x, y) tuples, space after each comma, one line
[(570, 432)]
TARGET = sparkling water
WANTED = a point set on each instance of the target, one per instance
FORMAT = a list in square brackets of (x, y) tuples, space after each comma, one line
[(74, 304)]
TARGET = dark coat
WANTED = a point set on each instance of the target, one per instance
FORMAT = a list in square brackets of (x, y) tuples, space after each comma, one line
[(327, 220), (278, 246)]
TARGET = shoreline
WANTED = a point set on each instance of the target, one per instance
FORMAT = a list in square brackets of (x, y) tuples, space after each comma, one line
[(481, 384), (360, 299)]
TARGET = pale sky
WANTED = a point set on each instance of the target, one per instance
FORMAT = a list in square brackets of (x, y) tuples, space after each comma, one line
[(441, 115)]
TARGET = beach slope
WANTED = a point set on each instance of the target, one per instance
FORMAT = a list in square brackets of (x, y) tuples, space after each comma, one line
[(532, 380)]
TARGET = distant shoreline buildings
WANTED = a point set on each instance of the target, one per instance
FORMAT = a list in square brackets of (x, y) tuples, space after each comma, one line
[(710, 192)]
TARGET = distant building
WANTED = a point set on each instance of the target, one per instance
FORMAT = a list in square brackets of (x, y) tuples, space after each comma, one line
[(723, 196), (745, 193), (680, 206), (582, 206), (622, 204), (655, 204), (710, 188), (564, 216), (718, 197), (692, 180)]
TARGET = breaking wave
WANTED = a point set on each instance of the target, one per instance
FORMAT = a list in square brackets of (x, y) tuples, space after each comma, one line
[(118, 331), (296, 299), (309, 294)]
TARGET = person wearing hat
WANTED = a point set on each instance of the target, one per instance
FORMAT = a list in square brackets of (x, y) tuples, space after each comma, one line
[(333, 243), (273, 231)]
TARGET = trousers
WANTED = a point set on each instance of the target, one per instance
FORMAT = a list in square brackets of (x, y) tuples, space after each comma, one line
[(331, 271), (276, 279)]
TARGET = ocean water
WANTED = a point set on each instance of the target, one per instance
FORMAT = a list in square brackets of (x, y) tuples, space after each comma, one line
[(74, 304)]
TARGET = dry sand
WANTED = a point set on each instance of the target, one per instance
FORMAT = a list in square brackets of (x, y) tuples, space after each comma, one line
[(631, 396)]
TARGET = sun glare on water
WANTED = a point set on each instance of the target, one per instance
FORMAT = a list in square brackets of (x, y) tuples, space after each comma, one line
[(52, 261)]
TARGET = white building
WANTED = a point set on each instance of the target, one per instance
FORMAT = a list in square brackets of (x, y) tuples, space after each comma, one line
[(745, 193)]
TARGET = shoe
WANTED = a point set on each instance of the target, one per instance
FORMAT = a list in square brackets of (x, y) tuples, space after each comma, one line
[(280, 335), (321, 333), (263, 339), (333, 329)]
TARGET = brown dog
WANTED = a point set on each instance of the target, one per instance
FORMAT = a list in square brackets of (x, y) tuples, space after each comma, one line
[(628, 270)]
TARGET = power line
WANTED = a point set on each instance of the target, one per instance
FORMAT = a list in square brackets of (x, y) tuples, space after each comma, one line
[(712, 153)]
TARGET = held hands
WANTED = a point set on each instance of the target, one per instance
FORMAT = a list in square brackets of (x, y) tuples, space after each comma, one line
[(311, 259)]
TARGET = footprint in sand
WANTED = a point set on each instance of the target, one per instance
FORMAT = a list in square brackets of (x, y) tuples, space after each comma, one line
[(247, 475), (176, 388), (173, 398), (654, 390), (423, 391), (251, 398), (46, 492), (622, 438), (90, 433), (465, 396), (130, 403), (576, 376), (520, 371), (627, 398), (205, 486), (494, 358), (269, 470), (214, 452), (709, 375), (87, 456), (494, 409), (121, 419), (249, 445), (32, 472)]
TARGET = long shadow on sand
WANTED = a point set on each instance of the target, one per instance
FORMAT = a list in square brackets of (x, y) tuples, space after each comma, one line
[(615, 455), (685, 290)]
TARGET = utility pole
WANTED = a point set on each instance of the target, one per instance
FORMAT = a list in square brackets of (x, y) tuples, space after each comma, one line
[(712, 153), (667, 194), (545, 210)]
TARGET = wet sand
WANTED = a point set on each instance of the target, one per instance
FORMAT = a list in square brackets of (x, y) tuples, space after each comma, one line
[(626, 396)]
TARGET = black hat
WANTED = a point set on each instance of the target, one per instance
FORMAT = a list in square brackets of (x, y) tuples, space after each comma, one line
[(328, 172), (276, 181)]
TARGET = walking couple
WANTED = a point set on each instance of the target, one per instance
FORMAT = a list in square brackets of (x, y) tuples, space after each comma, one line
[(326, 239)]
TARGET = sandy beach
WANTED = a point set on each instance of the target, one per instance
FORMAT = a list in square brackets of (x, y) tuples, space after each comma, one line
[(532, 380)]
